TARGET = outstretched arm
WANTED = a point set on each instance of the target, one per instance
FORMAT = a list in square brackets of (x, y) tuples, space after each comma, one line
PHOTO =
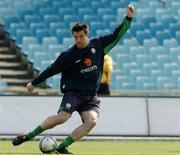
[(109, 41), (58, 66)]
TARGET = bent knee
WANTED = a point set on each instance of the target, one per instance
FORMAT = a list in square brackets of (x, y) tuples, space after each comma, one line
[(90, 123), (61, 118)]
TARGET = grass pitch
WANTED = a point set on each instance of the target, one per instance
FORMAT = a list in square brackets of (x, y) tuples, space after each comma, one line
[(100, 148)]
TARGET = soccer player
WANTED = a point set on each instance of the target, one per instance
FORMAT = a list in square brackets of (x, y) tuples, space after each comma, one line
[(81, 68)]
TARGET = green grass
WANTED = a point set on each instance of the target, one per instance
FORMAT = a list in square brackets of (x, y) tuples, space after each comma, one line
[(100, 148)]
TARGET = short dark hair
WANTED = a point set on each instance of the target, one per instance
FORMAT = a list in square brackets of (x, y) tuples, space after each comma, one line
[(80, 27)]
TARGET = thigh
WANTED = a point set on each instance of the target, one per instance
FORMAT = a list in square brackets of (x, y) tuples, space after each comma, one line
[(70, 102), (90, 104), (89, 116)]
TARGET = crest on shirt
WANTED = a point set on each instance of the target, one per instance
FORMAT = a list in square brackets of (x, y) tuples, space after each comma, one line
[(68, 105), (87, 62), (93, 50)]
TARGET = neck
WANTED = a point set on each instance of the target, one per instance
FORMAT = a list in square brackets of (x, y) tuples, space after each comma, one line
[(84, 45)]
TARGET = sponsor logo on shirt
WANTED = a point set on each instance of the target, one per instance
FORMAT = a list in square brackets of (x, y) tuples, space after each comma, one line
[(89, 69)]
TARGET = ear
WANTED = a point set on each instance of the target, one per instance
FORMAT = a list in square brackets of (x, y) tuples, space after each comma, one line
[(86, 32)]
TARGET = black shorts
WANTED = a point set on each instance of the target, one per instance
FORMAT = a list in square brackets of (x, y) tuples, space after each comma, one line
[(74, 101)]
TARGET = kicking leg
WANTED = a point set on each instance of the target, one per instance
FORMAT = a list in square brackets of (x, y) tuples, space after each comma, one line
[(49, 123)]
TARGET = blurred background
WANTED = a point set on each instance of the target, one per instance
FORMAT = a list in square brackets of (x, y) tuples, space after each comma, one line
[(146, 62)]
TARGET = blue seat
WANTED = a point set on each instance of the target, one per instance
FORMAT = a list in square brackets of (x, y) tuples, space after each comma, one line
[(90, 18), (136, 27), (28, 19), (150, 86), (20, 33), (66, 11), (48, 19), (174, 53), (173, 28), (25, 12), (169, 67), (35, 26), (14, 27), (162, 59), (69, 19), (26, 41), (130, 42), (41, 33), (147, 20), (162, 35), (78, 4), (54, 26), (155, 27), (96, 25), (148, 43), (168, 43), (156, 73), (105, 11), (8, 20), (168, 19), (38, 58), (67, 42), (175, 74), (84, 11), (107, 19), (161, 81), (147, 67), (54, 51), (61, 33), (178, 36), (45, 63), (141, 35), (47, 41), (45, 11), (103, 32), (141, 80), (32, 49)]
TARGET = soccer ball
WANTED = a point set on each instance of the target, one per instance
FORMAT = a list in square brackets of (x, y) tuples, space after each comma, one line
[(47, 144)]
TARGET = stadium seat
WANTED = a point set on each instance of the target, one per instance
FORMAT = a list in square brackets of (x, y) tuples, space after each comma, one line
[(61, 33), (162, 35), (14, 27), (147, 20), (28, 19), (35, 26), (32, 49), (56, 25), (173, 28), (38, 58), (141, 35), (141, 80), (20, 33), (47, 41), (10, 20), (54, 51), (41, 33), (48, 19), (26, 41)]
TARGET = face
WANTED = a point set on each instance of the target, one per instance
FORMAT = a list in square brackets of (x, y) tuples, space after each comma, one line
[(81, 39)]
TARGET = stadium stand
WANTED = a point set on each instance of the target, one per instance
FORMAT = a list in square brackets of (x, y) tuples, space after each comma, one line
[(146, 59)]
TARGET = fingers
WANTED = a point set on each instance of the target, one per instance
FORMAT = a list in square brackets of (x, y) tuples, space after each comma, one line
[(130, 10), (30, 87)]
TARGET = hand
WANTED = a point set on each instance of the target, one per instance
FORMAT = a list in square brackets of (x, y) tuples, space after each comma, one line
[(130, 10), (30, 87)]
